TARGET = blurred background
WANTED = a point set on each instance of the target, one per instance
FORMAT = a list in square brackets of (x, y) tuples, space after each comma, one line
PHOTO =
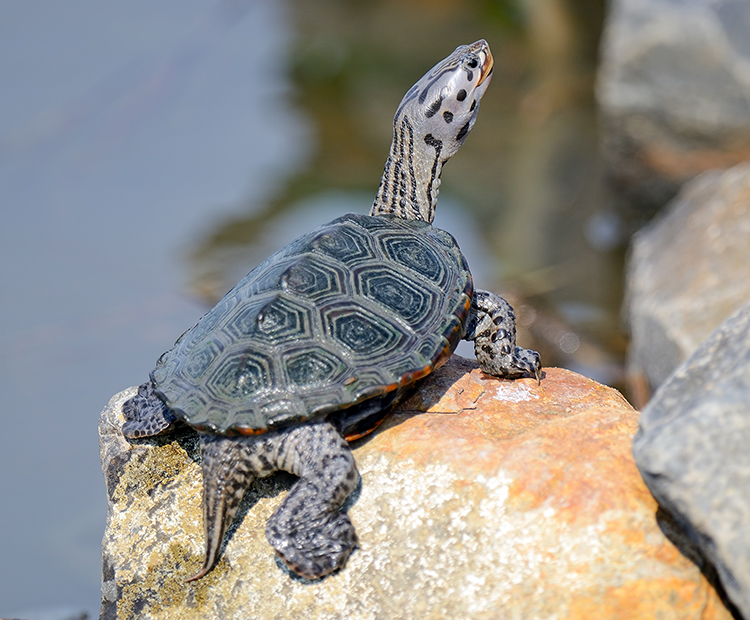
[(152, 153)]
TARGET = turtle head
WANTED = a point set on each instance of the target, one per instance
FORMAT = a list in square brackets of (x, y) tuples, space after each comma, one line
[(443, 105), (431, 123)]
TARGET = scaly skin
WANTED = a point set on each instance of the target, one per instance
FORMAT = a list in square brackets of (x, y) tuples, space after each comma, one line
[(492, 327)]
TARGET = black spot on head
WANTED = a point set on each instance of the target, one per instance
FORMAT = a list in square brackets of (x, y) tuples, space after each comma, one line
[(470, 75), (431, 140), (473, 105), (434, 107), (461, 95), (448, 116)]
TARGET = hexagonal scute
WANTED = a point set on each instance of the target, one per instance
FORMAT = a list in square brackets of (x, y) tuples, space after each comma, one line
[(313, 367), (199, 361), (268, 275), (272, 319), (312, 277), (345, 243), (413, 300), (243, 321), (417, 254), (283, 319), (241, 374), (363, 333)]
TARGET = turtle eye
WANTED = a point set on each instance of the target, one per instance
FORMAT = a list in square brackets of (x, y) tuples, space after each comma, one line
[(473, 63)]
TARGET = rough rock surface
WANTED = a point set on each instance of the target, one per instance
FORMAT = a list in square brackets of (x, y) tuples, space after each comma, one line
[(692, 450), (506, 500), (688, 272), (674, 91)]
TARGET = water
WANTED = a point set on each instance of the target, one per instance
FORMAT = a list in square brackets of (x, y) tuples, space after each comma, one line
[(124, 128), (152, 153)]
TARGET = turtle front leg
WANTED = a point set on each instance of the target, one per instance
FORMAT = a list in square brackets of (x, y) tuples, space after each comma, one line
[(309, 532), (492, 327), (146, 415)]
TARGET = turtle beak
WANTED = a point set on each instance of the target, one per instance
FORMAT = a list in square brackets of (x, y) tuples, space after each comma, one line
[(486, 69)]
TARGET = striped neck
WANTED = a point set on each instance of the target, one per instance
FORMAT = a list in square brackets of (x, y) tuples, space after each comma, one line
[(431, 123), (411, 178)]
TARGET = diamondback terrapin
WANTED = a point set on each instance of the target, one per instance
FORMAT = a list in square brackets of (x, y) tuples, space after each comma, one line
[(318, 343)]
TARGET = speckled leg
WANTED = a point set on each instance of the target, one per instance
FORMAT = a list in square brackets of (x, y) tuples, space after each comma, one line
[(492, 327), (307, 530), (230, 464), (146, 415)]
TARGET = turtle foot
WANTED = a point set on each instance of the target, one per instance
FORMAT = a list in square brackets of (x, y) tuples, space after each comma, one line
[(146, 415), (492, 327), (317, 550), (520, 363)]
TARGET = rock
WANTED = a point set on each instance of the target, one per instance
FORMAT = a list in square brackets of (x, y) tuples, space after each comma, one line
[(507, 499), (688, 272), (674, 92), (692, 450)]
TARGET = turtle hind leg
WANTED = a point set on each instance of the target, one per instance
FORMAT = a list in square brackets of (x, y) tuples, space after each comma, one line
[(230, 464), (309, 532), (146, 415), (492, 327)]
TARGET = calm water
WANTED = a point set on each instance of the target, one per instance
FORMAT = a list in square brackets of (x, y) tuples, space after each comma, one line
[(152, 153)]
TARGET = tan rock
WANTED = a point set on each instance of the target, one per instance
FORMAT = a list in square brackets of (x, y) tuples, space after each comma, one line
[(510, 500)]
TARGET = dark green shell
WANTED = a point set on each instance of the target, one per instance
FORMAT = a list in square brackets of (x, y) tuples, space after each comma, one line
[(357, 308)]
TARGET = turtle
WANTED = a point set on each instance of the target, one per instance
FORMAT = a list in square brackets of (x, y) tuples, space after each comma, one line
[(317, 344)]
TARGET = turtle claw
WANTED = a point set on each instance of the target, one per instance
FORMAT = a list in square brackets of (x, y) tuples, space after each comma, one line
[(528, 361), (199, 574)]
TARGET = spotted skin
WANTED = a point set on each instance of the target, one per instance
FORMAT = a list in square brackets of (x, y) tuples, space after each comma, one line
[(492, 327), (431, 123), (307, 530), (146, 415), (318, 343)]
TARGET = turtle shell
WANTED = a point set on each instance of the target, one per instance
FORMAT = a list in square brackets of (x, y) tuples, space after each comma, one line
[(357, 309)]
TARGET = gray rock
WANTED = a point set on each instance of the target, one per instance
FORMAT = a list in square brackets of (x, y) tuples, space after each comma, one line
[(688, 272), (692, 451), (674, 91)]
